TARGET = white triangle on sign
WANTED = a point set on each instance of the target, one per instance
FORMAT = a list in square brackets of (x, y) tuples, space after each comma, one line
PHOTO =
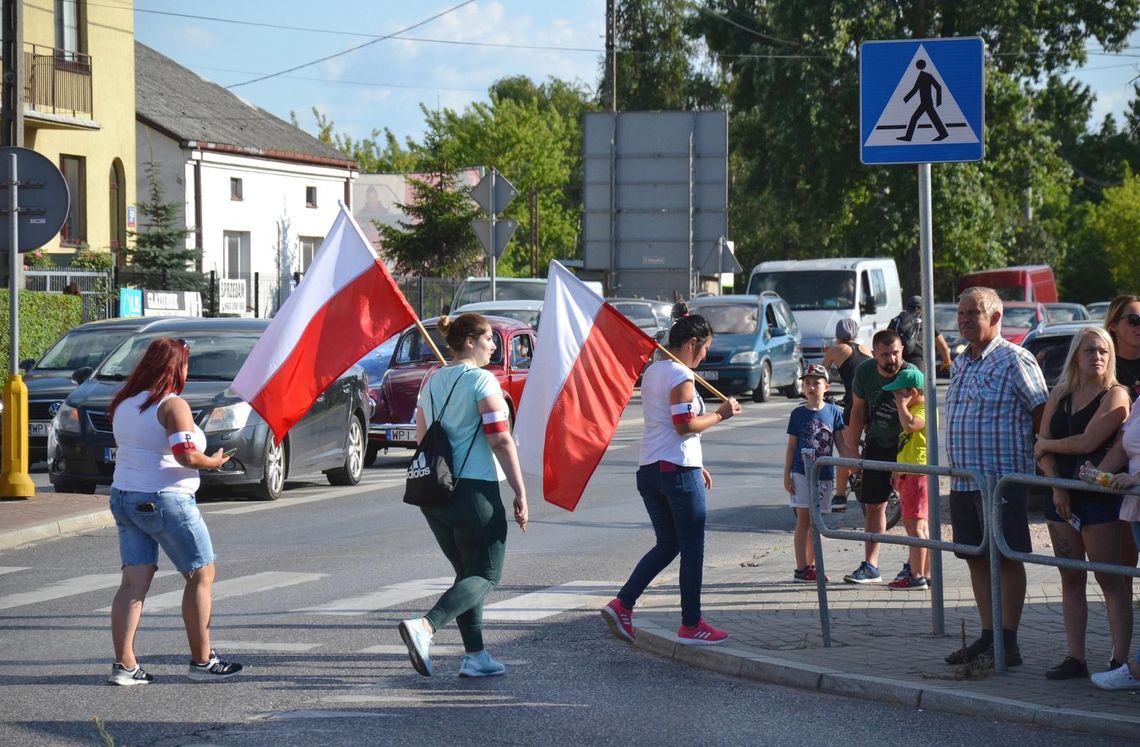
[(923, 108)]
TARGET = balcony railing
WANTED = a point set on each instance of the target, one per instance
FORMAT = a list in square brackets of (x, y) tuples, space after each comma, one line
[(57, 81)]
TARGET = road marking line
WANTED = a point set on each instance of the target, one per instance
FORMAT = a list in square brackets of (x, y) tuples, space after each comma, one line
[(387, 596), (66, 588), (11, 569), (233, 587), (265, 646), (399, 649), (551, 601), (324, 496)]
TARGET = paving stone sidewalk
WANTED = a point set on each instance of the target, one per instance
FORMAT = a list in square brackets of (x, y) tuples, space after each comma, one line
[(50, 515), (882, 642)]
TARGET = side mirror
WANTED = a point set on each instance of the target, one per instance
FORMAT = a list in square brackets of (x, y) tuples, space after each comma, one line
[(27, 364), (868, 306), (81, 375), (778, 331)]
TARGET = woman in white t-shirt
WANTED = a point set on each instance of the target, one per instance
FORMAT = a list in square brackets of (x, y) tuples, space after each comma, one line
[(160, 450), (672, 479), (471, 528)]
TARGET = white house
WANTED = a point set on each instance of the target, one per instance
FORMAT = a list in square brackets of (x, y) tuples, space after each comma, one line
[(259, 193)]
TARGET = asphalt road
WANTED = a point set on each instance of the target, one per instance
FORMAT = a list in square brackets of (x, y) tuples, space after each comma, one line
[(311, 588)]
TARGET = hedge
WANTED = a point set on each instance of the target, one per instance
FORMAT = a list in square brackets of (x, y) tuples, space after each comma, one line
[(44, 317)]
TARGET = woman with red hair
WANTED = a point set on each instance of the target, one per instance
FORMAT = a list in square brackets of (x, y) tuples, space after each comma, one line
[(160, 450)]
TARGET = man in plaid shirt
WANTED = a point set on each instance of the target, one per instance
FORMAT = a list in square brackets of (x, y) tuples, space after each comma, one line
[(994, 406)]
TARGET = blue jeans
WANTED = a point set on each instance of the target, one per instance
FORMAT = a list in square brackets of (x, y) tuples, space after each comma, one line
[(676, 505), (170, 519)]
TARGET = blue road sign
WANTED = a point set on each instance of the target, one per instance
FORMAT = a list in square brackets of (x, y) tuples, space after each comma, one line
[(922, 101)]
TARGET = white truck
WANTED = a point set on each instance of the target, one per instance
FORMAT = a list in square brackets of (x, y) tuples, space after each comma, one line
[(823, 291)]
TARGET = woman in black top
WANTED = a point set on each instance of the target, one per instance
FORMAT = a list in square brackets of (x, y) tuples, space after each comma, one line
[(1123, 322), (845, 355)]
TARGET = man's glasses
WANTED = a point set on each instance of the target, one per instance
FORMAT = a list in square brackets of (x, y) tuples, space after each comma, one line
[(1132, 319)]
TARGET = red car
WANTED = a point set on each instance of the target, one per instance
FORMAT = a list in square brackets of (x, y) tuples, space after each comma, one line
[(1019, 318), (394, 418)]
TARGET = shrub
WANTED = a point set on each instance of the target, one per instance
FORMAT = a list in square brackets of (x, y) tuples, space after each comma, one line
[(87, 258), (44, 317), (38, 260)]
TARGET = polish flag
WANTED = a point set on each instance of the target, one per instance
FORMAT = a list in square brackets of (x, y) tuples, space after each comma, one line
[(346, 305), (586, 362)]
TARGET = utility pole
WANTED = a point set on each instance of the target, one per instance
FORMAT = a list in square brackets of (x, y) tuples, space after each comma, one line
[(13, 110), (534, 232), (611, 53)]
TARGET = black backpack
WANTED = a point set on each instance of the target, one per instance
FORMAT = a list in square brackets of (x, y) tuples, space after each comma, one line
[(909, 327), (431, 480)]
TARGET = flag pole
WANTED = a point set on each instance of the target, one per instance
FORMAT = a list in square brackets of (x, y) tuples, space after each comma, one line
[(431, 343), (696, 375)]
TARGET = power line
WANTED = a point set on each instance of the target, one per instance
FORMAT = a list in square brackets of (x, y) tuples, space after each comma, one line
[(352, 49), (370, 84)]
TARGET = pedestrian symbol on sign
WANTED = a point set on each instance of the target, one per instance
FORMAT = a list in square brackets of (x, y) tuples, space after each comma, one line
[(923, 108)]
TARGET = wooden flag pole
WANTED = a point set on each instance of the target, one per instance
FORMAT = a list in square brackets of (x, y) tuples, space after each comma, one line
[(431, 343), (696, 375)]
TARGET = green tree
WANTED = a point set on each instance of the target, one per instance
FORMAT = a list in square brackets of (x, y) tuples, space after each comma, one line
[(436, 240), (1114, 224), (379, 153), (160, 242)]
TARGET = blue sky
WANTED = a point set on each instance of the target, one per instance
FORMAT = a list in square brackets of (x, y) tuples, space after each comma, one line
[(383, 84)]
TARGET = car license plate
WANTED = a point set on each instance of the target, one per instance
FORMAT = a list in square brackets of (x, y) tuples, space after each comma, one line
[(38, 428), (109, 454), (401, 434), (709, 375)]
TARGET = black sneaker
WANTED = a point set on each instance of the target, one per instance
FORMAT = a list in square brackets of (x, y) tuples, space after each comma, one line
[(214, 669), (1068, 669), (971, 652), (838, 504), (124, 677)]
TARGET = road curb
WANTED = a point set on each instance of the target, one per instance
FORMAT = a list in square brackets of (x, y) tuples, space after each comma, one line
[(51, 529), (739, 663)]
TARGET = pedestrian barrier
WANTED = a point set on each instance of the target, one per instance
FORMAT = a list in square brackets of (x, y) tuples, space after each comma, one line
[(1000, 547), (822, 530)]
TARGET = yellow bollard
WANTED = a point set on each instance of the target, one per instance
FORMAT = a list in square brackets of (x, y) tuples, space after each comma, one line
[(15, 481)]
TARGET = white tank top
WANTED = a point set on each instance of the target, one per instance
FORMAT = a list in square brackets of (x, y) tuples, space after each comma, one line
[(143, 461)]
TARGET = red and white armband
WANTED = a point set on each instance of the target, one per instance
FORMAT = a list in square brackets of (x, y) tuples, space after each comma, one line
[(496, 422), (182, 442), (681, 413)]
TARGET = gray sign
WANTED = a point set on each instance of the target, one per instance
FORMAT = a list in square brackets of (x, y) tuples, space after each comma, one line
[(504, 229), (42, 199), (493, 193)]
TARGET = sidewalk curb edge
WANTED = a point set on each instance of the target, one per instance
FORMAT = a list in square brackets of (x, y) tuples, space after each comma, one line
[(59, 528)]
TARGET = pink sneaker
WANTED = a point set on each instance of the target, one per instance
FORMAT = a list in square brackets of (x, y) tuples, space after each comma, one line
[(619, 619), (701, 634)]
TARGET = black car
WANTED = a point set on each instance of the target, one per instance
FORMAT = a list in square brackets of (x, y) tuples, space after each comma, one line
[(330, 438), (66, 365)]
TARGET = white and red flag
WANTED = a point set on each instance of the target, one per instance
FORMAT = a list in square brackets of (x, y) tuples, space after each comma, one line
[(586, 362), (346, 305)]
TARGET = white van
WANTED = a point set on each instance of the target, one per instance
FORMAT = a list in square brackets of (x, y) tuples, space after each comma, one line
[(823, 291)]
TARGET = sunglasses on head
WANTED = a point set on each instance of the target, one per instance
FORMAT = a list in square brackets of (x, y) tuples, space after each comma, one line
[(1132, 319), (183, 343)]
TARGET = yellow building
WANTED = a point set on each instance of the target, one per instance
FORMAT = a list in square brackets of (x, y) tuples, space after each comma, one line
[(79, 111)]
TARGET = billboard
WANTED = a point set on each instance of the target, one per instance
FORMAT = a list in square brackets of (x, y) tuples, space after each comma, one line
[(379, 197)]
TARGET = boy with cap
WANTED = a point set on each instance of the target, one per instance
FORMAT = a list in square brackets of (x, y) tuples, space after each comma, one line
[(907, 388), (812, 428)]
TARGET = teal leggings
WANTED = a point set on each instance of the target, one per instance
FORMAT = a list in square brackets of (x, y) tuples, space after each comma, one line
[(472, 532)]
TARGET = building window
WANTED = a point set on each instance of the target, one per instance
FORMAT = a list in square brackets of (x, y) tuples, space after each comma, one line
[(235, 188), (310, 197), (309, 246), (236, 260), (69, 28), (74, 230)]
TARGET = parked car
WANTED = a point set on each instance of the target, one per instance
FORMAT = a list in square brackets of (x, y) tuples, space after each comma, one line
[(329, 439), (946, 324), (1098, 310), (474, 290), (644, 314), (375, 363), (1049, 344), (66, 365), (394, 422), (755, 347), (1019, 318), (1066, 312), (525, 311)]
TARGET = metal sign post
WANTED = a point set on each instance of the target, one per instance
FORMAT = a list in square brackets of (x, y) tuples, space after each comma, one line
[(493, 193)]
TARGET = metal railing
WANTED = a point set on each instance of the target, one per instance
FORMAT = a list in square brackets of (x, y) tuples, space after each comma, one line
[(58, 81), (999, 547)]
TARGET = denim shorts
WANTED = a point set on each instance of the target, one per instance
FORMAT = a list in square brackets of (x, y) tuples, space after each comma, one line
[(175, 523)]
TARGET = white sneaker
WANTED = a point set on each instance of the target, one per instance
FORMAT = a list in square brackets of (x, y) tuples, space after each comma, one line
[(481, 665), (1116, 679), (124, 677), (417, 637)]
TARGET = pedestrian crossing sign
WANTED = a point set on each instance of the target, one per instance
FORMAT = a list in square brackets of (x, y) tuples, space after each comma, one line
[(922, 101)]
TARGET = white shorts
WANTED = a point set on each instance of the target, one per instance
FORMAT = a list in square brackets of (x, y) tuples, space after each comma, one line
[(800, 499)]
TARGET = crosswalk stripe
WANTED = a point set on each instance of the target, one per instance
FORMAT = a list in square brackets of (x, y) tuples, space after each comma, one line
[(66, 588), (402, 650), (324, 495), (551, 601), (233, 587), (387, 596), (11, 569), (284, 648)]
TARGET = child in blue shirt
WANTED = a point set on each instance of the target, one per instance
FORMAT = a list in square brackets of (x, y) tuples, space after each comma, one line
[(812, 427)]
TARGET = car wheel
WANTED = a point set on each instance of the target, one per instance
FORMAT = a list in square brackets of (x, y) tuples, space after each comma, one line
[(349, 474), (370, 455), (795, 390), (67, 485), (763, 390), (272, 483)]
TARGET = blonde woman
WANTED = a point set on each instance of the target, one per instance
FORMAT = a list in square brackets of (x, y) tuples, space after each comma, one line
[(1082, 417)]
